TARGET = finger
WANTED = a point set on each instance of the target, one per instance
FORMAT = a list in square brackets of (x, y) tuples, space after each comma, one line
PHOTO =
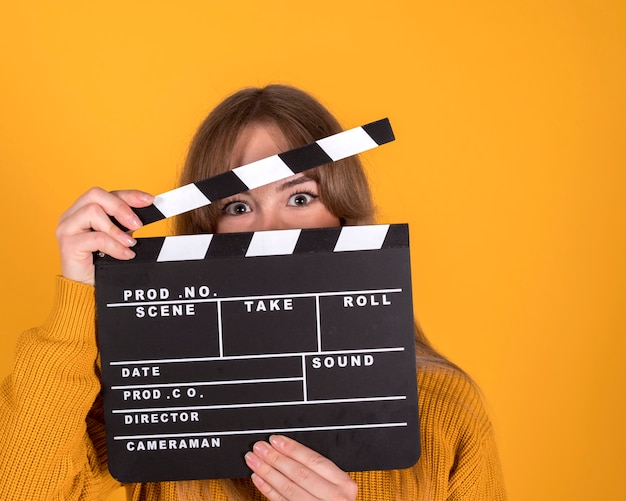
[(112, 204), (82, 246), (134, 199), (313, 460), (117, 204), (294, 479), (271, 482), (88, 219), (88, 230), (77, 254), (268, 491), (94, 209)]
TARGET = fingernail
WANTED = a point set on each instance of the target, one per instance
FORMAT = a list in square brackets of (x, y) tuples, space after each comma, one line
[(252, 460), (261, 448), (129, 254), (258, 481), (146, 197), (277, 440), (129, 240), (135, 222)]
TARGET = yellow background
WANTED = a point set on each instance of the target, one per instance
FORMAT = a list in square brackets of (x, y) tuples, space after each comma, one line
[(509, 166)]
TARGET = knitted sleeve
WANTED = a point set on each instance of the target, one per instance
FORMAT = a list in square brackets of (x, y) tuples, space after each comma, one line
[(51, 428), (458, 445)]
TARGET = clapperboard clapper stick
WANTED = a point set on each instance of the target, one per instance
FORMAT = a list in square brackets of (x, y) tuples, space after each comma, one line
[(211, 342), (265, 171)]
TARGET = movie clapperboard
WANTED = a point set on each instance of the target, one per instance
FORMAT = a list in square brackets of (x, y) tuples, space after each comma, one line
[(209, 343)]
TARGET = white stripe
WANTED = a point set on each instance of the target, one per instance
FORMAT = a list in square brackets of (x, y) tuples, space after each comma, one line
[(273, 243), (347, 143), (281, 403), (180, 200), (356, 238), (184, 248), (265, 431), (264, 171)]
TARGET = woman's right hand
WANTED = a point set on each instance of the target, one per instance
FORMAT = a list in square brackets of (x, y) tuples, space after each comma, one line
[(86, 228)]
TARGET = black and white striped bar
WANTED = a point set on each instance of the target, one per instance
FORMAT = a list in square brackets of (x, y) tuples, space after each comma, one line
[(267, 170), (270, 243)]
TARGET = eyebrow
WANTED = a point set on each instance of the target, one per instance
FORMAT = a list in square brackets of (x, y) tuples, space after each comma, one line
[(302, 179), (294, 182)]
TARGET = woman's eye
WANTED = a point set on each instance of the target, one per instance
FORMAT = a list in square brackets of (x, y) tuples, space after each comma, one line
[(236, 208), (301, 199)]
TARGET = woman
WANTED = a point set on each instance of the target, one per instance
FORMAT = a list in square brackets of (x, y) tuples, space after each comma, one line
[(51, 429)]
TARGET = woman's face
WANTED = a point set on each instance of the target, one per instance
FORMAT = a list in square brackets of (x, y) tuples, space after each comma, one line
[(289, 203)]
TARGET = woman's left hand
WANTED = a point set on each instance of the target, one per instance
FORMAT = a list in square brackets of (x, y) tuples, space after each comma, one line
[(284, 469)]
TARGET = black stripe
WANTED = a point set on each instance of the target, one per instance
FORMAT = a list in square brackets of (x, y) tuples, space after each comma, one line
[(317, 240), (229, 245), (148, 249), (305, 157), (380, 131), (221, 186), (397, 236), (149, 214)]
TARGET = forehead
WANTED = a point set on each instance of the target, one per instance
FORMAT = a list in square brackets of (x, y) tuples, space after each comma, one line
[(257, 141)]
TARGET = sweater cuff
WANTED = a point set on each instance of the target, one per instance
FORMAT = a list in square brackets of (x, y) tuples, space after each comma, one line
[(73, 315)]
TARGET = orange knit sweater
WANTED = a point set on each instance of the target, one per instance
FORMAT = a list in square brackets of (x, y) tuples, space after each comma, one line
[(52, 442)]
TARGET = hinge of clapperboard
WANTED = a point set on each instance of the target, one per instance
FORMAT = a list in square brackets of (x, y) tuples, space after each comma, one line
[(267, 170)]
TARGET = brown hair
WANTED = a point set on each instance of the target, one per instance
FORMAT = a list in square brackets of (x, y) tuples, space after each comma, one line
[(302, 119), (344, 189)]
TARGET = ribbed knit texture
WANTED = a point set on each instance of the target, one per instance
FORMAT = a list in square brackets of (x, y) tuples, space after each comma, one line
[(52, 440)]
